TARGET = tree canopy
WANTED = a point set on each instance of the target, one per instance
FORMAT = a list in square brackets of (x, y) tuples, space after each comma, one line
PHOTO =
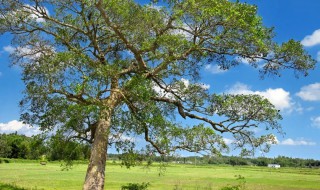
[(105, 70)]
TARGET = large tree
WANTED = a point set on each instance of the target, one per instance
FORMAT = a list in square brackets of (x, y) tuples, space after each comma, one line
[(103, 70)]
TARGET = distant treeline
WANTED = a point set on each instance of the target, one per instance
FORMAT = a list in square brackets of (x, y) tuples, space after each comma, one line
[(59, 148), (234, 160), (54, 147)]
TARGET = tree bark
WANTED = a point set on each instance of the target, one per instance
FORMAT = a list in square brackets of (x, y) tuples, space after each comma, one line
[(96, 169)]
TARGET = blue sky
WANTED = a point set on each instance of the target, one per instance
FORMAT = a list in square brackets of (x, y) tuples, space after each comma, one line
[(297, 98)]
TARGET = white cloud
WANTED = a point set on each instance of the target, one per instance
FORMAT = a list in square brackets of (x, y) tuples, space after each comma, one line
[(156, 7), (9, 49), (202, 85), (316, 121), (20, 127), (249, 60), (278, 97), (122, 137), (310, 92), (182, 30), (318, 56), (215, 69), (299, 142), (228, 141), (29, 52), (29, 12), (312, 40), (243, 60), (35, 14), (240, 88), (186, 82), (178, 88), (274, 140)]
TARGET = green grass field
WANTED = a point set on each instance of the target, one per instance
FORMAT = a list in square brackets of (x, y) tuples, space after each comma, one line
[(189, 177)]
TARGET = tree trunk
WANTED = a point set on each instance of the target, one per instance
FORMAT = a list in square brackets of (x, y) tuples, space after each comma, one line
[(96, 169)]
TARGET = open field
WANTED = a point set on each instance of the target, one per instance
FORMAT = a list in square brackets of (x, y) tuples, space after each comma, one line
[(189, 177)]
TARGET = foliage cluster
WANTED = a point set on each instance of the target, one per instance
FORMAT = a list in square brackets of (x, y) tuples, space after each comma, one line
[(135, 186), (240, 186)]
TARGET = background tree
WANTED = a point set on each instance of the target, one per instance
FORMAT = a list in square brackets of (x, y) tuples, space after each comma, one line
[(5, 148), (61, 148), (19, 145), (56, 147), (38, 146), (104, 70)]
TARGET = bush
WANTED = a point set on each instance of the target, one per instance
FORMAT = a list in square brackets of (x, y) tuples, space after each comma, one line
[(135, 186), (236, 187), (10, 187), (4, 160), (241, 185)]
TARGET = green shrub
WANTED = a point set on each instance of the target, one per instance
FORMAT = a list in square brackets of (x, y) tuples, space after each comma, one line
[(135, 186), (240, 186), (235, 187), (10, 187)]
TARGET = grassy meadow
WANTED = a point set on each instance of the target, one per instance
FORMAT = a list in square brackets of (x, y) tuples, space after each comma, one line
[(176, 177)]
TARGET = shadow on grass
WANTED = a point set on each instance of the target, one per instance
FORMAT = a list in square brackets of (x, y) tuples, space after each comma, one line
[(13, 187), (10, 187)]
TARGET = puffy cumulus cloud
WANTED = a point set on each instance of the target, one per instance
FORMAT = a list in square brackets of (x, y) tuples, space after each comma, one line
[(35, 13), (20, 127), (9, 49), (214, 69), (186, 82), (316, 121), (310, 92), (240, 88), (299, 142), (278, 97), (312, 40), (202, 85), (228, 141), (29, 52)]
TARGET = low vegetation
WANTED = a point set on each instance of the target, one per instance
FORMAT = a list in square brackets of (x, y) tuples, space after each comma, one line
[(10, 187)]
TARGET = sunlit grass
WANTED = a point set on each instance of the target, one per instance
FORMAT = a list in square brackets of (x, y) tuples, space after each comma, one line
[(51, 177)]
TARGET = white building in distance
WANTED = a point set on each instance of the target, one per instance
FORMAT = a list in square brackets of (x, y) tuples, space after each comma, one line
[(273, 166)]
